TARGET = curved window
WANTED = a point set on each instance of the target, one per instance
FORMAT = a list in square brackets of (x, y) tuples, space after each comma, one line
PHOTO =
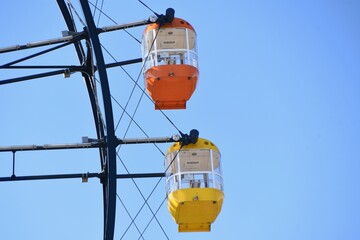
[(169, 46), (195, 168)]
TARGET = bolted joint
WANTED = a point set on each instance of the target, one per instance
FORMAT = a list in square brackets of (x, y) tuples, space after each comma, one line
[(102, 177), (167, 18), (189, 138)]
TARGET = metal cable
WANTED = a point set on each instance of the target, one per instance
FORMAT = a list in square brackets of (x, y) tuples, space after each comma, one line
[(147, 225), (141, 88), (147, 199), (71, 7), (100, 10), (128, 213), (147, 7)]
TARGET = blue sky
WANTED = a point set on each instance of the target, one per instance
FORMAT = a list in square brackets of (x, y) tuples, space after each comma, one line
[(279, 93)]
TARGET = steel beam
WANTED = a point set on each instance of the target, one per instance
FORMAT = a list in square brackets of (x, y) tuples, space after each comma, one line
[(35, 55), (41, 43), (88, 143), (110, 139), (79, 175), (35, 76), (20, 148), (122, 63), (124, 26)]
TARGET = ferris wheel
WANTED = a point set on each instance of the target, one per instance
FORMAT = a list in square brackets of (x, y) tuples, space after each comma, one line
[(170, 69)]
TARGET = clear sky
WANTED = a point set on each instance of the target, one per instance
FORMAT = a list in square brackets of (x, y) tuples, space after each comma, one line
[(279, 93)]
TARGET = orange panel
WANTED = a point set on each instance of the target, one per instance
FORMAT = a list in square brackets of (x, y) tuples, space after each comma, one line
[(170, 86)]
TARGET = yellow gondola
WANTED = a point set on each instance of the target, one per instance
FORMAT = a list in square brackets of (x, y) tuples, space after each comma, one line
[(194, 185)]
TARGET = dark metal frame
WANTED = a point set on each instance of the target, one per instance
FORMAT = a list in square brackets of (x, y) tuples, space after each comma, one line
[(106, 140)]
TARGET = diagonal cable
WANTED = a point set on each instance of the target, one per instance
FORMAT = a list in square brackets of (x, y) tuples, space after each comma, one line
[(157, 210), (128, 213), (142, 206), (136, 84), (100, 10), (146, 200), (76, 13), (147, 7), (142, 195), (132, 119), (153, 190), (141, 129)]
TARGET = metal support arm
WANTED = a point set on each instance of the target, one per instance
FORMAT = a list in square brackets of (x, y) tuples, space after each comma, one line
[(79, 175)]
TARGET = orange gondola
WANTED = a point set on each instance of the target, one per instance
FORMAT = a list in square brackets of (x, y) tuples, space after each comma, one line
[(170, 63)]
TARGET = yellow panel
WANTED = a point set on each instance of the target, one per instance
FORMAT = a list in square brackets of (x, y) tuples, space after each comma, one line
[(194, 209), (202, 227), (202, 143)]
